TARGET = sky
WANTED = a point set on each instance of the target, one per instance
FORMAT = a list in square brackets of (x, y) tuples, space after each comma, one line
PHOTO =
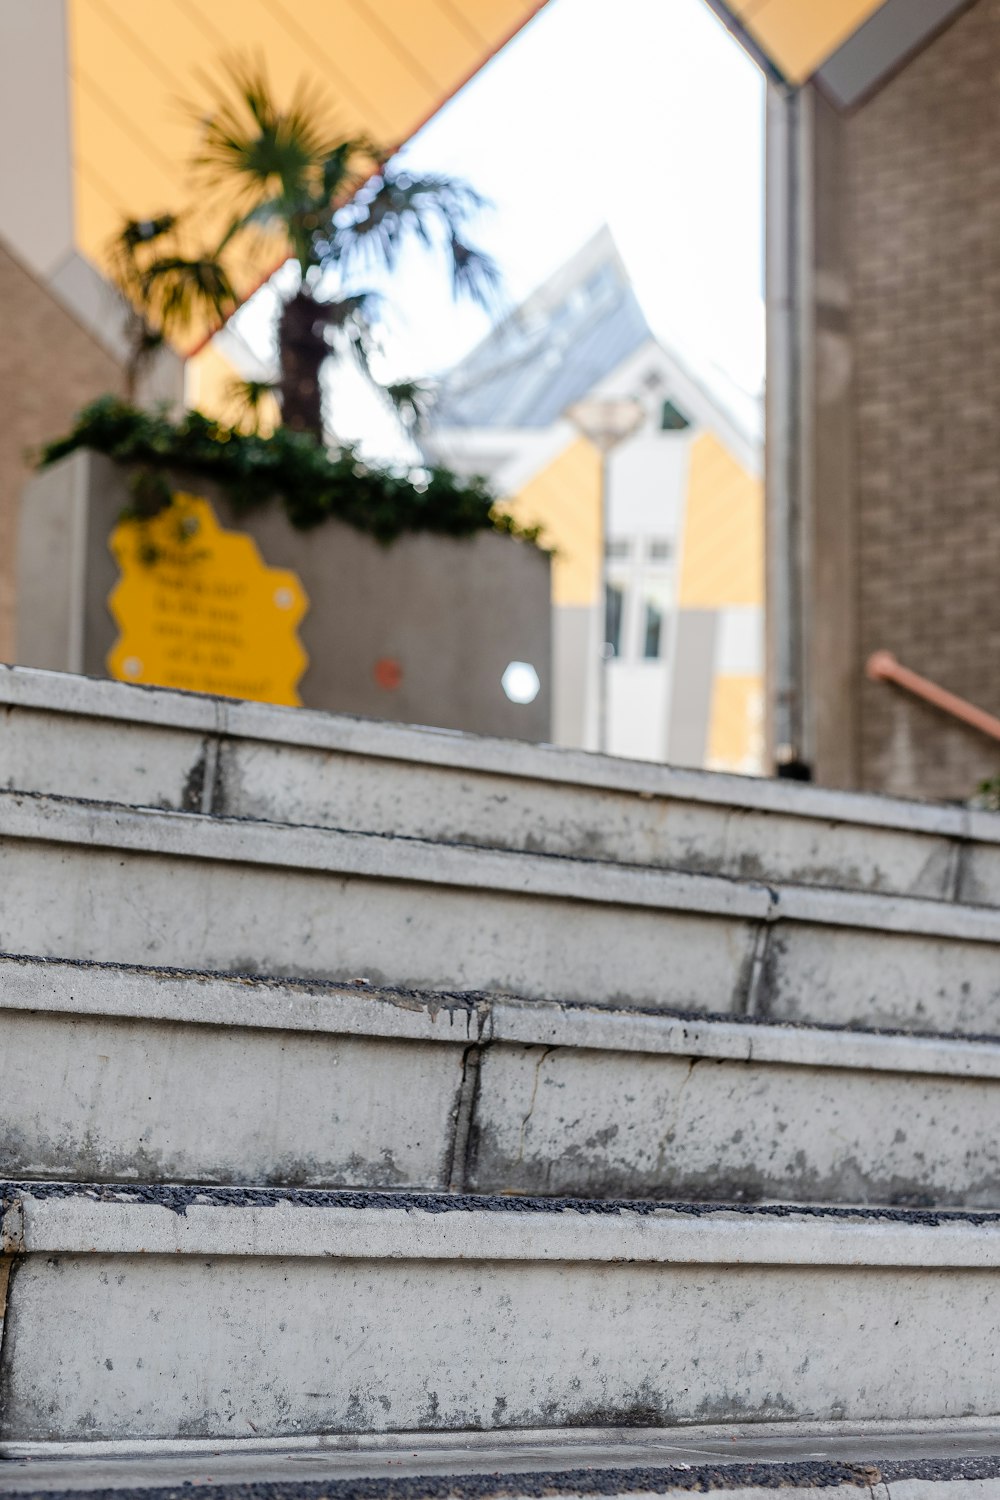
[(642, 114)]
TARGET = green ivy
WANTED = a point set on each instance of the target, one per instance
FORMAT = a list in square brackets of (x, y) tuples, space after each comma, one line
[(310, 483)]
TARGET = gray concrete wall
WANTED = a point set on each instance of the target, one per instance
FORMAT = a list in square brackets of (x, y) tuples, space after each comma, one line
[(452, 613)]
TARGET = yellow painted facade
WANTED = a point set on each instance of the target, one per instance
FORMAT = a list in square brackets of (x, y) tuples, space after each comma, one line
[(564, 498), (799, 35), (721, 563), (722, 549), (736, 724), (140, 74), (387, 65)]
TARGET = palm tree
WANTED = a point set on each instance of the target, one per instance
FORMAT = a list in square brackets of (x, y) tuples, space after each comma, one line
[(165, 288), (340, 205)]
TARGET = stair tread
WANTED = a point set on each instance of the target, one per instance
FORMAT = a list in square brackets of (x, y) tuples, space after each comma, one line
[(300, 728), (248, 1313), (360, 1007), (179, 1198), (699, 1459), (311, 847)]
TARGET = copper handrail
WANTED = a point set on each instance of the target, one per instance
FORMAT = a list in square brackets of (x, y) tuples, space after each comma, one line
[(883, 667)]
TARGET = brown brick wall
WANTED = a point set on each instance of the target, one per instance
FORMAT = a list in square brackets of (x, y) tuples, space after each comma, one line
[(49, 367), (923, 171)]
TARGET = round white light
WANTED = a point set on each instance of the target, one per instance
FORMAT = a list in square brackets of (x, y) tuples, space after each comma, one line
[(520, 682)]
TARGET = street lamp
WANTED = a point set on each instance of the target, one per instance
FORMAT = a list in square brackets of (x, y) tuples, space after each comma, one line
[(606, 422)]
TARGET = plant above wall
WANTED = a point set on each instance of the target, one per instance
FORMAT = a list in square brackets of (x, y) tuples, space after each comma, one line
[(339, 207), (311, 483)]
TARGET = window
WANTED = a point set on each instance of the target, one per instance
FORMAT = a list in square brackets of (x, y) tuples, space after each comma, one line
[(672, 419), (655, 601), (614, 610), (653, 632), (618, 550), (658, 549)]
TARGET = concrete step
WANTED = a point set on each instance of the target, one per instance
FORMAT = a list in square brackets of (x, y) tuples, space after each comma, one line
[(154, 1313), (926, 1460), (114, 1073), (121, 884), (113, 742)]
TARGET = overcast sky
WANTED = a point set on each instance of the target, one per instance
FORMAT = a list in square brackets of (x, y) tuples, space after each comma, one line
[(642, 114)]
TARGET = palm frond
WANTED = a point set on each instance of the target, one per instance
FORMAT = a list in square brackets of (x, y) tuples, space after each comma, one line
[(288, 167), (249, 143), (179, 291), (475, 274), (251, 400), (412, 401), (361, 309), (394, 206)]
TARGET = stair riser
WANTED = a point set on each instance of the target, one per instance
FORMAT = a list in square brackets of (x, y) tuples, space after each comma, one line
[(584, 822), (523, 930), (386, 778), (111, 1098), (124, 907), (613, 1125), (343, 1340), (365, 793), (117, 1101)]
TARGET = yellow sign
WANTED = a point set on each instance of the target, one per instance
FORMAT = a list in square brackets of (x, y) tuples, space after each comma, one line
[(198, 608)]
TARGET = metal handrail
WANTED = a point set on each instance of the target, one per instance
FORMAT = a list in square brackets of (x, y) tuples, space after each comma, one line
[(882, 666)]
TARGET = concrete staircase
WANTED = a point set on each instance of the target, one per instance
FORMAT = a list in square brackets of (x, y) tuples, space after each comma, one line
[(376, 1087)]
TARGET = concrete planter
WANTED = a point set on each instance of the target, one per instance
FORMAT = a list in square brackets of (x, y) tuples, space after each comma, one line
[(451, 613)]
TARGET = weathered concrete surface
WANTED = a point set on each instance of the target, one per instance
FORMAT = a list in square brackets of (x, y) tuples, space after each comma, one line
[(98, 881), (621, 1031), (809, 1458), (98, 899), (132, 1321), (604, 1124), (191, 753), (114, 1074), (129, 1100), (440, 606)]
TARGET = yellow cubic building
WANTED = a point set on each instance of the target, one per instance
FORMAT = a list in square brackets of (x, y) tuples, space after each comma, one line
[(679, 632)]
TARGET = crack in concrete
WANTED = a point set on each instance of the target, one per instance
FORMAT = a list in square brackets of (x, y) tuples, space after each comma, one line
[(531, 1105), (666, 1139), (755, 978), (463, 1116)]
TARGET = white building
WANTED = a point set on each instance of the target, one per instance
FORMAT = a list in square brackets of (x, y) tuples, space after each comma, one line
[(681, 625)]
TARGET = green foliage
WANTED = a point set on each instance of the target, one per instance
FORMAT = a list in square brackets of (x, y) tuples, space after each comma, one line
[(290, 180), (164, 287), (338, 201), (310, 483), (988, 795)]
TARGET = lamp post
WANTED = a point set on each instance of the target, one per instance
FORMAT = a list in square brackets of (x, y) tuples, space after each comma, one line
[(606, 422)]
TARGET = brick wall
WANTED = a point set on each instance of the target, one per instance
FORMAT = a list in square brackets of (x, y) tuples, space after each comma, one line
[(923, 191), (49, 367)]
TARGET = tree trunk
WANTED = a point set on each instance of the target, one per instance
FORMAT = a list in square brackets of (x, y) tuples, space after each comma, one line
[(302, 350)]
